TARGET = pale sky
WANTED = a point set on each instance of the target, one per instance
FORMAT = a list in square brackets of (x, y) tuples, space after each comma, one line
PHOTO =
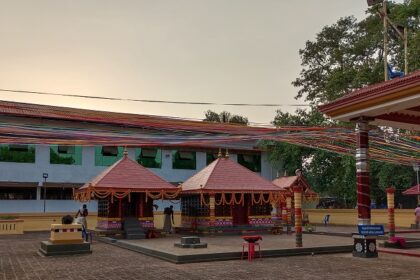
[(224, 51)]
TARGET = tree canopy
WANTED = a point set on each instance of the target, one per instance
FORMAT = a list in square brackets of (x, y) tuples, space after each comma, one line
[(345, 56), (349, 53), (224, 117)]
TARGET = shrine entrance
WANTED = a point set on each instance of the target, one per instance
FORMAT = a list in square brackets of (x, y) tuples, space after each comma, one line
[(130, 208), (240, 213)]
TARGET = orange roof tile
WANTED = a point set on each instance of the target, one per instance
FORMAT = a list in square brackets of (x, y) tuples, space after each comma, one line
[(225, 175), (126, 174), (414, 190), (287, 182)]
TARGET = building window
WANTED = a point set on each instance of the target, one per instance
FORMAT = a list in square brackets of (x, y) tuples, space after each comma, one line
[(252, 162), (107, 155), (183, 160), (65, 155), (17, 153), (17, 193), (261, 210), (210, 157), (192, 207), (57, 193), (149, 157)]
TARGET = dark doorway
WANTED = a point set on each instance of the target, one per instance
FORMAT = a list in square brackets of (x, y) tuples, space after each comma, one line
[(129, 209), (240, 213)]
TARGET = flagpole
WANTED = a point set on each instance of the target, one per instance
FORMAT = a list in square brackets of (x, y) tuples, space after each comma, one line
[(406, 50), (385, 41)]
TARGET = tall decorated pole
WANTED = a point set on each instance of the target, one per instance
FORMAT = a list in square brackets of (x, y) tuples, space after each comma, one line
[(364, 243), (390, 194), (284, 214), (297, 192), (289, 213), (385, 20), (362, 172), (212, 207)]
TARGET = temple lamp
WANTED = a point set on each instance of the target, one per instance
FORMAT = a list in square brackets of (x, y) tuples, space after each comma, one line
[(416, 169), (45, 176)]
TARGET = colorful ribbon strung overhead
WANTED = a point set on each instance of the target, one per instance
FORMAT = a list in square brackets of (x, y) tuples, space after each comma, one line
[(399, 149)]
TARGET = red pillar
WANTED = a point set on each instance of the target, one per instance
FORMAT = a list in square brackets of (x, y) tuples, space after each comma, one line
[(289, 213), (297, 192), (284, 213), (212, 210), (391, 215), (142, 198), (362, 172), (119, 208)]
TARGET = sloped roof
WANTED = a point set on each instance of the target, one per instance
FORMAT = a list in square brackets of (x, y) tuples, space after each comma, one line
[(414, 190), (287, 182), (18, 109), (126, 174), (225, 175), (373, 91)]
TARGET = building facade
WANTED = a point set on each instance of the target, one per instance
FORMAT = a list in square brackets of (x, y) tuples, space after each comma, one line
[(30, 173)]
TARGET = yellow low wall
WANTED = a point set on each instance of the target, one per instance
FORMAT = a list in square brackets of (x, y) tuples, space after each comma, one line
[(42, 222), (159, 219), (403, 217), (11, 226)]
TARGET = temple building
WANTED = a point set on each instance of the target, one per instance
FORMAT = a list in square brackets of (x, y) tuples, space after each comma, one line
[(126, 190), (226, 196)]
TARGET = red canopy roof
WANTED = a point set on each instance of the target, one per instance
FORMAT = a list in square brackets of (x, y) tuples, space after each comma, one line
[(225, 175), (287, 182), (392, 103), (126, 174), (414, 190)]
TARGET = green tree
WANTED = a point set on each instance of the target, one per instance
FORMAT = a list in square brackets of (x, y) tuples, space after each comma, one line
[(349, 54), (345, 56), (224, 117)]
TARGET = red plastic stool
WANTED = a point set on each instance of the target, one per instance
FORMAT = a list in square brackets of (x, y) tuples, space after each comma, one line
[(251, 249)]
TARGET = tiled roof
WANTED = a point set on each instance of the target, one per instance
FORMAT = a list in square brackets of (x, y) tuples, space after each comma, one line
[(9, 108), (225, 175), (414, 190), (373, 91), (286, 182), (126, 174)]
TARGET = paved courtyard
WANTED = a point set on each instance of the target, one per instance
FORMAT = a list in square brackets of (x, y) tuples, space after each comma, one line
[(223, 244), (19, 260)]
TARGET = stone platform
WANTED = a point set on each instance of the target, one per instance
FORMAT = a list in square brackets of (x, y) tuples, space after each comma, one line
[(50, 249), (221, 248)]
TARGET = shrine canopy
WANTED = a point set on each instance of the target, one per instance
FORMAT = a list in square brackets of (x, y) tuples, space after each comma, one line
[(286, 184), (414, 190), (124, 177), (232, 181), (394, 103)]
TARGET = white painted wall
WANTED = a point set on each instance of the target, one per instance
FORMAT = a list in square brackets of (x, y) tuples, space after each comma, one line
[(37, 206), (61, 173), (32, 172)]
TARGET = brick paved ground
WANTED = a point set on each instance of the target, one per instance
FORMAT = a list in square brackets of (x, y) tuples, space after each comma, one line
[(19, 260), (220, 244)]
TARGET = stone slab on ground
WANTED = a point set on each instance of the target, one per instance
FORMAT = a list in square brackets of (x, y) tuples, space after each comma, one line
[(222, 248), (50, 249)]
